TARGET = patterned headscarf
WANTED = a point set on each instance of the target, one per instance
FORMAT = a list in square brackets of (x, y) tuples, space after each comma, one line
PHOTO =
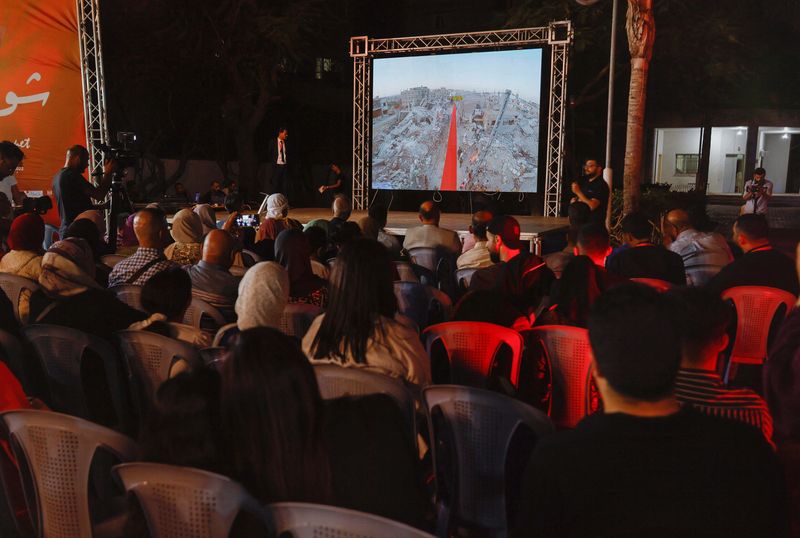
[(68, 268)]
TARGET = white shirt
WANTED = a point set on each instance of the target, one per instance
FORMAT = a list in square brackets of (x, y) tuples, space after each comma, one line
[(475, 258), (281, 155), (761, 202), (5, 187), (430, 236), (703, 253)]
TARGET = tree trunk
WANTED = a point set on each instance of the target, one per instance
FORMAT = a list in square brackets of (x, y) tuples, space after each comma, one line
[(641, 31)]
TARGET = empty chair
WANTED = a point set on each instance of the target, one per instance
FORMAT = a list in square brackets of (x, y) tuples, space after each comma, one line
[(303, 520), (181, 501), (759, 311), (225, 334), (569, 354), (471, 432), (202, 315), (655, 283), (110, 260), (13, 286), (424, 304), (297, 318), (61, 352), (55, 454), (472, 347), (129, 294)]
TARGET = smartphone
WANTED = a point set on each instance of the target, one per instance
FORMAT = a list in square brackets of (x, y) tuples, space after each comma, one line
[(244, 221)]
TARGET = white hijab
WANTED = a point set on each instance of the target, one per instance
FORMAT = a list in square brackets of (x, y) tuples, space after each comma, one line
[(263, 295)]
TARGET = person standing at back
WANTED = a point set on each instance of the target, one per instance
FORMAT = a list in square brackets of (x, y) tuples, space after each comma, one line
[(757, 193), (277, 158)]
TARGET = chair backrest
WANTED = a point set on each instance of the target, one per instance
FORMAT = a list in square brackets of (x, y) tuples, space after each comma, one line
[(406, 272), (427, 257), (303, 520), (110, 260), (60, 351), (336, 382), (655, 283), (422, 303), (297, 318), (129, 294), (757, 308), (13, 287), (150, 358), (224, 334), (254, 258), (569, 354), (56, 452), (199, 308), (213, 356), (184, 502), (11, 353), (477, 429), (471, 348), (464, 277)]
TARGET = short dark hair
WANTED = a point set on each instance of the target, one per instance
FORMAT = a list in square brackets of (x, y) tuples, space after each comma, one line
[(635, 346), (637, 225), (233, 202), (282, 128), (430, 214), (10, 150), (77, 149), (317, 238), (379, 212), (700, 317), (752, 225), (479, 226), (593, 238), (168, 292), (759, 170)]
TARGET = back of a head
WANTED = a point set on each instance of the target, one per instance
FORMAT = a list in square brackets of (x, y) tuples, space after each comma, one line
[(578, 289), (700, 316), (11, 151), (347, 233), (429, 212), (233, 202), (26, 233), (480, 222), (379, 213), (635, 345), (754, 227), (271, 407), (87, 230), (680, 219), (149, 225), (317, 238), (341, 207), (78, 151), (218, 248), (637, 225), (168, 292), (593, 240), (369, 227)]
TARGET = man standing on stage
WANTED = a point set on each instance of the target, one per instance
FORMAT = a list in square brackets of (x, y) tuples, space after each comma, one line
[(72, 191), (276, 157), (333, 184), (757, 193), (592, 190)]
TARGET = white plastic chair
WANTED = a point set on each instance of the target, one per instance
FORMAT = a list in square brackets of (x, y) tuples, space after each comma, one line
[(199, 308), (224, 334), (55, 452), (655, 283), (13, 286), (426, 257), (471, 348), (110, 260), (756, 310), (406, 272), (297, 318), (304, 520), (129, 294), (464, 277), (185, 502), (475, 427), (569, 354)]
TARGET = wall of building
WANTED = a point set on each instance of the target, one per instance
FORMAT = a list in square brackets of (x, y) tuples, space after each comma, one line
[(670, 143), (776, 159), (724, 141)]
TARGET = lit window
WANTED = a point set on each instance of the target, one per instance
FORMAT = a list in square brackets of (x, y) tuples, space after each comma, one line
[(687, 163)]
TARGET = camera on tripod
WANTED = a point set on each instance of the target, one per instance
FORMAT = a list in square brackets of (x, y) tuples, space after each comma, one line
[(122, 152)]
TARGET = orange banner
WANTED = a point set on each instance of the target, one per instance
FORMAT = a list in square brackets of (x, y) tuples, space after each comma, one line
[(41, 95)]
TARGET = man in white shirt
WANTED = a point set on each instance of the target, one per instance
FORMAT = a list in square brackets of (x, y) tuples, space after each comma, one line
[(277, 157), (10, 157), (478, 256), (757, 193), (703, 253), (429, 234)]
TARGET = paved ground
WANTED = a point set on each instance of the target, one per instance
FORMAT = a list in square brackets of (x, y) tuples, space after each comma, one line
[(784, 224)]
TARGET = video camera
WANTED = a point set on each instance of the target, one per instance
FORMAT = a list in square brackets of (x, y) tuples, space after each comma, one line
[(122, 152), (756, 188)]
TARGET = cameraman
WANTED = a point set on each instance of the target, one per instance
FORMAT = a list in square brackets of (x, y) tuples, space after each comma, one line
[(72, 191), (757, 193)]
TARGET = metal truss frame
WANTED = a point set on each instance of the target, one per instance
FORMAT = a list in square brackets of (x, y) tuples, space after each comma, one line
[(557, 35), (94, 99)]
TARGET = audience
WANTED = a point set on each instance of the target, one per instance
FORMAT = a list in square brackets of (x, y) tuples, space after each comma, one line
[(127, 243), (215, 195), (98, 218), (165, 298), (24, 240), (150, 227), (285, 444), (429, 234), (579, 214), (211, 279), (490, 307), (341, 212), (642, 258), (361, 327), (263, 295), (318, 242), (703, 253), (703, 319), (293, 252), (644, 466), (761, 265), (85, 229), (574, 294), (207, 217), (277, 218), (478, 256), (187, 231), (380, 214), (593, 241)]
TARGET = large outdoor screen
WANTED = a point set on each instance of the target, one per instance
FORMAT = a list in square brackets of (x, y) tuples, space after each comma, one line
[(467, 122)]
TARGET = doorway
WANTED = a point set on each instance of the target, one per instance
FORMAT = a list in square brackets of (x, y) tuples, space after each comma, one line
[(733, 173)]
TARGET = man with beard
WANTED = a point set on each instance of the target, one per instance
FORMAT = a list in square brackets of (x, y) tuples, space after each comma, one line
[(73, 193)]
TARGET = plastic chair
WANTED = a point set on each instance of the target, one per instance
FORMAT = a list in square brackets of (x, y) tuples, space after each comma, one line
[(224, 335), (150, 358), (199, 308), (427, 257), (471, 348), (464, 277), (184, 502), (569, 354), (759, 310), (255, 258), (424, 304), (55, 454), (110, 260), (213, 356), (60, 351), (475, 427), (297, 318), (406, 272), (303, 520), (655, 283), (11, 353), (129, 294), (13, 287)]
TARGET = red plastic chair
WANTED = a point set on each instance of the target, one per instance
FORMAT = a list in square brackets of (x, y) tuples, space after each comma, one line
[(471, 348), (570, 357), (757, 307), (655, 283)]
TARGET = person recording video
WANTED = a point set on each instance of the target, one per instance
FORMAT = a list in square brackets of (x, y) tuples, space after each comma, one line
[(757, 193)]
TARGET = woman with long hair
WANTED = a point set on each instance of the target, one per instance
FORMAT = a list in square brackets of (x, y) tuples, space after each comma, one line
[(361, 327), (574, 294)]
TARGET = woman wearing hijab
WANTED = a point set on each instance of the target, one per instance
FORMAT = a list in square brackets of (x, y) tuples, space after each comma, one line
[(85, 229), (207, 218), (70, 297), (277, 218), (263, 295), (293, 251), (25, 241), (99, 220), (187, 231), (127, 242)]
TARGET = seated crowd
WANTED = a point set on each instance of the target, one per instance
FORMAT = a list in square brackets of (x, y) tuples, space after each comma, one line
[(674, 451)]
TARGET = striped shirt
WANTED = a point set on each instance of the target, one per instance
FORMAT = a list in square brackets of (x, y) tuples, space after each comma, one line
[(704, 391), (127, 268), (704, 254)]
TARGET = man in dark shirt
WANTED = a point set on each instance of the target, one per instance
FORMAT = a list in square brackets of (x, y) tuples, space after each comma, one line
[(645, 467), (761, 265), (643, 259), (592, 190), (73, 193)]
